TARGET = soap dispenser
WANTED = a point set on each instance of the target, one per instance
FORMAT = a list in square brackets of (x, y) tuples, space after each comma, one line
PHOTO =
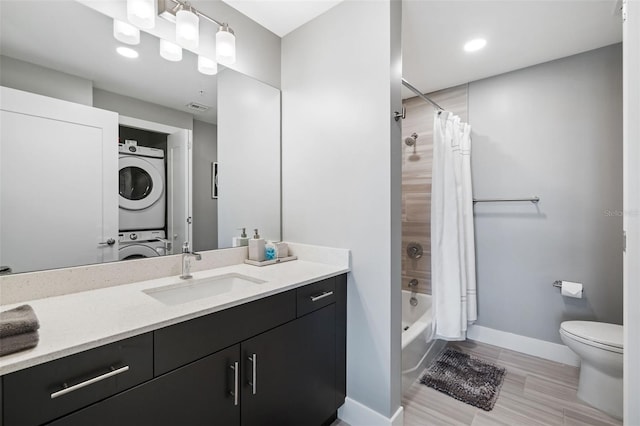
[(242, 240), (256, 247)]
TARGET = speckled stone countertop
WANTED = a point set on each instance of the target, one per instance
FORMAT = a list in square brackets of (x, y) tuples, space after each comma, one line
[(84, 320)]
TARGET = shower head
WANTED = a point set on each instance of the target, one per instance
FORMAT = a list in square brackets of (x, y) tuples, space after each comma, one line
[(411, 140)]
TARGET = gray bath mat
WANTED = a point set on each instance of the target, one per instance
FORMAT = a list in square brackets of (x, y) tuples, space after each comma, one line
[(465, 378)]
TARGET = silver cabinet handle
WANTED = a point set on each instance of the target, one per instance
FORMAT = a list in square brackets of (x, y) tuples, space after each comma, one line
[(235, 393), (254, 364), (109, 242), (67, 389), (321, 296)]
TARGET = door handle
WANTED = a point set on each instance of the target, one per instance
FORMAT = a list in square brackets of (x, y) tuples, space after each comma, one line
[(235, 393), (109, 242), (321, 296), (254, 364)]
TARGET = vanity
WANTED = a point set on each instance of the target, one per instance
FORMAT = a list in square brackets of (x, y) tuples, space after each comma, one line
[(269, 353)]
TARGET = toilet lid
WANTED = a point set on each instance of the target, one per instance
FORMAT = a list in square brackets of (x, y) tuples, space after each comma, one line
[(599, 332)]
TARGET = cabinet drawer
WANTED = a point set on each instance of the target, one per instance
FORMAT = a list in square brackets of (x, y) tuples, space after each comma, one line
[(188, 341), (33, 396), (315, 296)]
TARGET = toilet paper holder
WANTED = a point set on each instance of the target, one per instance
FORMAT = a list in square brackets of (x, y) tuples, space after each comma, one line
[(558, 284)]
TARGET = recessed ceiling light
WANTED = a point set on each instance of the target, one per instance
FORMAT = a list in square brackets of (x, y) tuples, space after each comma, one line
[(475, 44), (127, 52)]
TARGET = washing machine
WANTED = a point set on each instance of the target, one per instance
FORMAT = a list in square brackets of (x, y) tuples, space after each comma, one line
[(141, 244), (142, 187)]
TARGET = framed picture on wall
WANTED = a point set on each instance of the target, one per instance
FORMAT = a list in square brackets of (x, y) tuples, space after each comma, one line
[(214, 180)]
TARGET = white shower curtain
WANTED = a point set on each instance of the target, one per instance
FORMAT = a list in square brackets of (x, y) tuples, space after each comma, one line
[(453, 268)]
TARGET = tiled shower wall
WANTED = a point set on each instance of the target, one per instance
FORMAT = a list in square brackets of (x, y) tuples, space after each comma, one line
[(416, 179)]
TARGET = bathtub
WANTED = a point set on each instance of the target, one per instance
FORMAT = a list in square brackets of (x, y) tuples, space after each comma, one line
[(418, 349)]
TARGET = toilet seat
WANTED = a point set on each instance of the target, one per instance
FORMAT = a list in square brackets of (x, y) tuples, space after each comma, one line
[(597, 334)]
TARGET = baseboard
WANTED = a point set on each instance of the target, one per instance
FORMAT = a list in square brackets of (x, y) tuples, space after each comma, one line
[(528, 345), (356, 414)]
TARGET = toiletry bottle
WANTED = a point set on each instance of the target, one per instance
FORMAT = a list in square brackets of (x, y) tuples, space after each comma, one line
[(256, 247), (242, 240), (270, 252)]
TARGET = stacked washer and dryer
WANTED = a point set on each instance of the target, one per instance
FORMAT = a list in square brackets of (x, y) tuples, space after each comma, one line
[(142, 201)]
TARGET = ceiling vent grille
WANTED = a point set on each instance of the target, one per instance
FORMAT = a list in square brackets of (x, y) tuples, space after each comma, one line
[(197, 107)]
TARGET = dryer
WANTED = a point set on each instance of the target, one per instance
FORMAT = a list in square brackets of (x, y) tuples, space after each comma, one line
[(142, 191), (141, 244)]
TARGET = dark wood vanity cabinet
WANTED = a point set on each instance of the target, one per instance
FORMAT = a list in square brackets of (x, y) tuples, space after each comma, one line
[(278, 360)]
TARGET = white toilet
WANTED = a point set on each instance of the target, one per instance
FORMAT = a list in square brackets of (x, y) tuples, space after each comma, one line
[(599, 346)]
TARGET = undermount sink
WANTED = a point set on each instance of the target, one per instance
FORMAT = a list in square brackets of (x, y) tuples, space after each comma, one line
[(194, 289)]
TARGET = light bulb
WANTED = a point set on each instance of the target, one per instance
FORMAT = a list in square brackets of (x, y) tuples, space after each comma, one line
[(127, 52), (225, 45), (142, 13), (170, 51), (125, 33), (187, 29), (207, 66), (475, 44)]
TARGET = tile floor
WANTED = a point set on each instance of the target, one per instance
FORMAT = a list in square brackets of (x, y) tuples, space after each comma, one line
[(535, 392)]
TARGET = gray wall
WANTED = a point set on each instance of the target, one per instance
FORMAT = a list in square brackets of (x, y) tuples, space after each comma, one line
[(205, 209), (142, 110), (33, 78), (341, 175), (552, 130)]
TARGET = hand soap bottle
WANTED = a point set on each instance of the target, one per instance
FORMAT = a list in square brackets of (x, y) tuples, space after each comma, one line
[(242, 240), (270, 252), (256, 247)]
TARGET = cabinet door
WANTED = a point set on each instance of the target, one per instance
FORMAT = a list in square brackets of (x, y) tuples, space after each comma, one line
[(200, 393), (289, 373)]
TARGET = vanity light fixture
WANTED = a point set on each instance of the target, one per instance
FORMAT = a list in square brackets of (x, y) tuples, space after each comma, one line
[(225, 45), (142, 13), (187, 28), (207, 66), (127, 52), (475, 45), (126, 33), (170, 51)]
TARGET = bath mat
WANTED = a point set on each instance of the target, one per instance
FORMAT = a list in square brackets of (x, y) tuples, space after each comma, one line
[(466, 378)]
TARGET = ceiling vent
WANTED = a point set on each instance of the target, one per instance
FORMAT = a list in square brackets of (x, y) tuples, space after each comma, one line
[(197, 107)]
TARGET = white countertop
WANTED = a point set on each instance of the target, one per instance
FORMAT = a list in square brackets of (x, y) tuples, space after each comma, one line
[(76, 322)]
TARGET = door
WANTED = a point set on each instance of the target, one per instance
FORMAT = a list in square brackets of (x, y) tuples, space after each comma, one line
[(289, 372), (76, 205), (201, 393), (179, 150)]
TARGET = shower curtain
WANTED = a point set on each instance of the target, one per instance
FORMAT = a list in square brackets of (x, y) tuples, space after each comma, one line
[(453, 269)]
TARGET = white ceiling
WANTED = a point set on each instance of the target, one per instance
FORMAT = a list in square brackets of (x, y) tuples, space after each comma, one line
[(519, 33), (282, 16), (70, 37)]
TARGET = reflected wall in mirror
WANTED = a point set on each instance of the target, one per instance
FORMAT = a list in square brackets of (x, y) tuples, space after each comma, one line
[(102, 159)]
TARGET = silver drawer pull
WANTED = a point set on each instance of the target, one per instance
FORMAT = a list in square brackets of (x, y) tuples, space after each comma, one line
[(235, 393), (69, 389), (321, 296), (254, 375)]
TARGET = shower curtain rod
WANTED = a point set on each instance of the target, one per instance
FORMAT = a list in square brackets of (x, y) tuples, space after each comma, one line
[(408, 85)]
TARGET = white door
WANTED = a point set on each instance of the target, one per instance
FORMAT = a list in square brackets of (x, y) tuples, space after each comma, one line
[(179, 149), (58, 182)]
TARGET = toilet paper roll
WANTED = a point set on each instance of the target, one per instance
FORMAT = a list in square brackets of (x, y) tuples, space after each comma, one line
[(571, 289)]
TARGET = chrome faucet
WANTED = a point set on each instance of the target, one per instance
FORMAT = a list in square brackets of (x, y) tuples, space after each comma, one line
[(186, 261)]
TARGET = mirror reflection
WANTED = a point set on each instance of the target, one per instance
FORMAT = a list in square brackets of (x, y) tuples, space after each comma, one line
[(106, 158)]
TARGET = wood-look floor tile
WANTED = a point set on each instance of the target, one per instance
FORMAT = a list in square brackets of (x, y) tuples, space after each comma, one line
[(589, 417), (549, 370), (479, 350), (502, 416), (439, 404)]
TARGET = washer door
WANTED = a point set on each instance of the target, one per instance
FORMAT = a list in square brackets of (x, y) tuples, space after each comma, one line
[(140, 183), (136, 251)]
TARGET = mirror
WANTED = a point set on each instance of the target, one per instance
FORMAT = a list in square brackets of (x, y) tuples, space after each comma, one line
[(198, 155)]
